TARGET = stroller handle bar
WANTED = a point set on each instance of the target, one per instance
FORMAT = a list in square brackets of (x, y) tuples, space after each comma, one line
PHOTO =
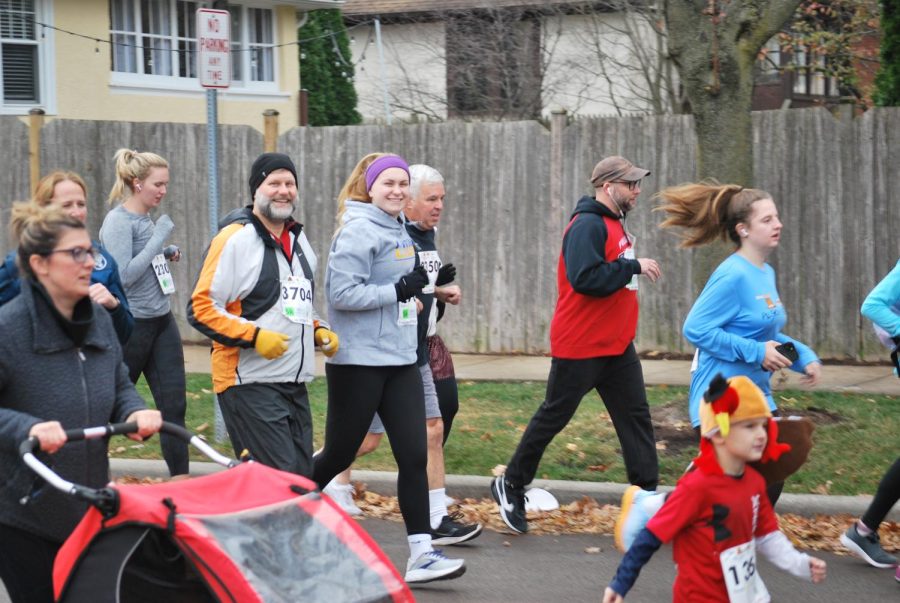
[(101, 497)]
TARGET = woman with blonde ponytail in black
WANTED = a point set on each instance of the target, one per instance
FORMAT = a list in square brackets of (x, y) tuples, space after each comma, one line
[(137, 243), (736, 323)]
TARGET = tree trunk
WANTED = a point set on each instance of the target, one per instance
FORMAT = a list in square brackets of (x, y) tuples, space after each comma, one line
[(714, 44)]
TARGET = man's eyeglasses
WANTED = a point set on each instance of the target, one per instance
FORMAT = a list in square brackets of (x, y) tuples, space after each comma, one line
[(80, 254), (631, 184)]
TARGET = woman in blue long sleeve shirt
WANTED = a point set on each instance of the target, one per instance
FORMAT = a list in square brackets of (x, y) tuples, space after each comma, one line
[(736, 323), (882, 307)]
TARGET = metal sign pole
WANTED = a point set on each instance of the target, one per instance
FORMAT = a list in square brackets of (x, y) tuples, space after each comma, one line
[(212, 154), (214, 71)]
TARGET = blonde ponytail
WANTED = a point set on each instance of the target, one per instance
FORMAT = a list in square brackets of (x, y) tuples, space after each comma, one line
[(131, 165), (355, 187)]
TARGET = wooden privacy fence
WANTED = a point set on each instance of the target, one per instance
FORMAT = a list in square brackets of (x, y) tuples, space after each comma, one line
[(510, 189)]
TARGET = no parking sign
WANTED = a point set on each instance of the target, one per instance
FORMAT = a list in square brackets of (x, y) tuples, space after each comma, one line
[(214, 48)]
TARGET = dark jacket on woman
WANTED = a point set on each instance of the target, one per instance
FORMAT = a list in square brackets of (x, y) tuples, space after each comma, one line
[(44, 376), (105, 272)]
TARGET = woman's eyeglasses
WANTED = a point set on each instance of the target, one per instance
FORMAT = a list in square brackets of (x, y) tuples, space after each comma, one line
[(80, 254)]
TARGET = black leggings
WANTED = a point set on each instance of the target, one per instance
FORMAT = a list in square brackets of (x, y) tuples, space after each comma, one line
[(26, 565), (154, 349), (355, 394), (887, 495), (448, 400)]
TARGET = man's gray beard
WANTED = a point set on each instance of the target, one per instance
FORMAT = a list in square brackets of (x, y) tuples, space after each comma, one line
[(264, 205)]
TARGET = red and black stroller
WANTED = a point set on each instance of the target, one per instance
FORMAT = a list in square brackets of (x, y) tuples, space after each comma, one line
[(248, 534)]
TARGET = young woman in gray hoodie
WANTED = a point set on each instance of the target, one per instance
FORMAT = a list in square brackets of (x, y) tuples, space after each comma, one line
[(370, 286)]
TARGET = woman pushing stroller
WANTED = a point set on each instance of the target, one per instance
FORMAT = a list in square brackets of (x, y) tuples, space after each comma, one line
[(60, 366)]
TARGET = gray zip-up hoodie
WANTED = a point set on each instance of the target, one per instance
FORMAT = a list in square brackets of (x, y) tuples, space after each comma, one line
[(368, 255)]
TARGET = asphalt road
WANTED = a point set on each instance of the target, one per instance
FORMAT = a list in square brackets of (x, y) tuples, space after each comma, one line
[(537, 569)]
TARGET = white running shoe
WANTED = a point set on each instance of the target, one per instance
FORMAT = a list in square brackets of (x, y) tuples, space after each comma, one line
[(433, 565), (342, 494)]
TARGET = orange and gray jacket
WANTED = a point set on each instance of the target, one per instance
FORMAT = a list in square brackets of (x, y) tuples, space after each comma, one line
[(238, 292)]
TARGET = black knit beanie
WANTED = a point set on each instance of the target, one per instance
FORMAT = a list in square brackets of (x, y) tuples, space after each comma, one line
[(267, 163)]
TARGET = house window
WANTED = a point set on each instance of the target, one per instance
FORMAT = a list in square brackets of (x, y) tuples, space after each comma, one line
[(159, 38), (19, 52), (809, 75)]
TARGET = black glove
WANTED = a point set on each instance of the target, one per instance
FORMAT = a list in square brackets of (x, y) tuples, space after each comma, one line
[(446, 275), (412, 283)]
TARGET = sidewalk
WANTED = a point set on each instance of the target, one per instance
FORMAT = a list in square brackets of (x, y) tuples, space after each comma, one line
[(483, 367), (876, 379)]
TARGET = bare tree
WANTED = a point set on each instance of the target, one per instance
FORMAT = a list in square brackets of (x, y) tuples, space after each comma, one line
[(510, 63)]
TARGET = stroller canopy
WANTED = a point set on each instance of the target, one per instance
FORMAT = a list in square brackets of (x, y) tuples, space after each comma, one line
[(251, 533)]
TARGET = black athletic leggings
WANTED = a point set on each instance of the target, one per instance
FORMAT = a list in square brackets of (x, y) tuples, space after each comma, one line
[(154, 349), (448, 401), (355, 394), (887, 495), (26, 565)]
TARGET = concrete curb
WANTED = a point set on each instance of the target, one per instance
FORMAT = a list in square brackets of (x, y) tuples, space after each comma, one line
[(476, 486)]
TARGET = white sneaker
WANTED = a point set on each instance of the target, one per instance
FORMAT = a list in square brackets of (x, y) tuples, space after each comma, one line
[(433, 565), (342, 494)]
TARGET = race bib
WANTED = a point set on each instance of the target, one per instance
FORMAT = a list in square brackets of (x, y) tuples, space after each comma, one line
[(296, 299), (741, 576), (161, 270), (431, 262), (407, 312), (628, 254)]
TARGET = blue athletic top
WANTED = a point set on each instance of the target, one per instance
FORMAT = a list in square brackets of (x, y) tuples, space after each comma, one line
[(106, 272), (882, 305), (738, 311)]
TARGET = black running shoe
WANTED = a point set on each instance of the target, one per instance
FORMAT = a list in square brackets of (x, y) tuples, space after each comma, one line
[(512, 504), (452, 531)]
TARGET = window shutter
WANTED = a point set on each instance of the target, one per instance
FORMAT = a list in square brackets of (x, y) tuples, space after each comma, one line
[(20, 73)]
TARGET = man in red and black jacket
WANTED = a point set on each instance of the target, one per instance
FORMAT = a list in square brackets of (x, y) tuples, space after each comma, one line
[(591, 338)]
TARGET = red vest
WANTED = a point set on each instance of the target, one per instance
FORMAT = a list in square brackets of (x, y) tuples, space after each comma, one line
[(585, 326)]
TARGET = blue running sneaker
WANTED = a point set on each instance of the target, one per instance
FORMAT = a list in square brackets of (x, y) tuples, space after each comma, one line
[(638, 506)]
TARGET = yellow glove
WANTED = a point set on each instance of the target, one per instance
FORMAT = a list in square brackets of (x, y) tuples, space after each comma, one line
[(271, 344), (327, 340)]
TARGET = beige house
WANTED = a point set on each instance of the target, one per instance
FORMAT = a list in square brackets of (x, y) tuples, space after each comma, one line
[(133, 60)]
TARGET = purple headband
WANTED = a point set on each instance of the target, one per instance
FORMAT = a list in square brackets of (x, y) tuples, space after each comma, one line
[(383, 163)]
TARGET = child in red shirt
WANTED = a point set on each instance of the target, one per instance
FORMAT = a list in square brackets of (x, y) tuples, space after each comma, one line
[(718, 516)]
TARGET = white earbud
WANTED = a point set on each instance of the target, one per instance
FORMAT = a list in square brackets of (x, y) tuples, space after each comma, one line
[(138, 187), (744, 232)]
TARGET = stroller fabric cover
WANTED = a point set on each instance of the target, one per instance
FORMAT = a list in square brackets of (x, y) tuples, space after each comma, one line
[(247, 534)]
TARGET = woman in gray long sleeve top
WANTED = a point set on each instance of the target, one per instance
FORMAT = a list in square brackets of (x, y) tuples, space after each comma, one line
[(136, 243)]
